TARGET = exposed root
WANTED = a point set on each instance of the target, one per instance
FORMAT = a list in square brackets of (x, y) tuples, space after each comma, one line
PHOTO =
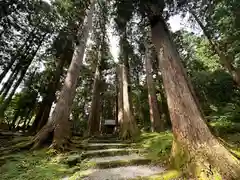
[(228, 146), (128, 131), (62, 145), (206, 163), (54, 136), (128, 135), (43, 137)]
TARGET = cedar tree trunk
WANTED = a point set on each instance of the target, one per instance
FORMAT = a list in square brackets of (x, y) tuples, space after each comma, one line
[(129, 127), (194, 145), (120, 98), (59, 125), (94, 117), (155, 117)]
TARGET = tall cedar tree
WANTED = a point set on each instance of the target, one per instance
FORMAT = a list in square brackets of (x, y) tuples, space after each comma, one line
[(193, 143), (59, 124)]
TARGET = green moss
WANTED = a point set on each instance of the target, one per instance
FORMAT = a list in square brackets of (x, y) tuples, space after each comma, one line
[(157, 146), (167, 175), (85, 168), (180, 157), (216, 175), (203, 173), (37, 165), (171, 174)]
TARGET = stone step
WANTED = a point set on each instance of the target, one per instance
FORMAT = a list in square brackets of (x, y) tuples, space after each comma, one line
[(104, 141), (10, 133), (104, 137), (109, 152), (76, 157), (116, 161), (122, 173), (98, 146), (95, 141)]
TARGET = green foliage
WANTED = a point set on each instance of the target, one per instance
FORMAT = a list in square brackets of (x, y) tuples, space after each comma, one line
[(214, 86), (139, 97), (225, 120), (223, 20), (195, 52), (223, 125)]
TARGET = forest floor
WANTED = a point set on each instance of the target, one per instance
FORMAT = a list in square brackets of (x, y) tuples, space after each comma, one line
[(100, 159)]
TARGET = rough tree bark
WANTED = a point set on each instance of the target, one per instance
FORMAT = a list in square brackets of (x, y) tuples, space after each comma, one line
[(59, 125), (120, 98), (193, 144), (94, 117), (157, 124), (116, 100), (224, 60), (164, 107), (129, 128), (46, 104), (63, 56)]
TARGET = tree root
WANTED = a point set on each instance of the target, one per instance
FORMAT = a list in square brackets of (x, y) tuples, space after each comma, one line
[(206, 163), (53, 136), (42, 137)]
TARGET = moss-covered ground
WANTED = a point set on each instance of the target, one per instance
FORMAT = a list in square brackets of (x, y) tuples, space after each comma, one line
[(42, 164)]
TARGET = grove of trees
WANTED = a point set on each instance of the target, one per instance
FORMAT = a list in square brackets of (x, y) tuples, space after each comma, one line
[(58, 76)]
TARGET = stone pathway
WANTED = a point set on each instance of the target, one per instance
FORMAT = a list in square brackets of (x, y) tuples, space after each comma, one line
[(109, 159), (116, 161), (123, 172)]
